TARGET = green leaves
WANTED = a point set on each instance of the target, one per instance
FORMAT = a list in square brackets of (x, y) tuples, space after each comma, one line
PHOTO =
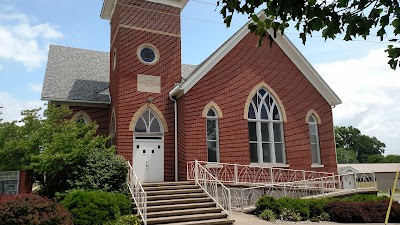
[(351, 18)]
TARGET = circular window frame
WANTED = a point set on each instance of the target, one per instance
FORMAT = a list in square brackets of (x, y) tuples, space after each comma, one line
[(147, 45)]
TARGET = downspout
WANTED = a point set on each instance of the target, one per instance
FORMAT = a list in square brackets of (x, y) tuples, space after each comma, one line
[(175, 136)]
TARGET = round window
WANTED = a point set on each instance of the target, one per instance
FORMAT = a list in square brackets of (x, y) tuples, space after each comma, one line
[(148, 54)]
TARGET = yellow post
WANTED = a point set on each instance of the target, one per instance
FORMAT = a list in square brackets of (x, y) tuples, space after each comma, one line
[(391, 198)]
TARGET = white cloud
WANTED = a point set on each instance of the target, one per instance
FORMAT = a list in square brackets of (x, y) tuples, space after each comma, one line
[(23, 42), (369, 90), (1, 67), (12, 106), (35, 87)]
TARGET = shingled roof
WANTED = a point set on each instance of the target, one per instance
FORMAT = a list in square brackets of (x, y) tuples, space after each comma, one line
[(80, 75)]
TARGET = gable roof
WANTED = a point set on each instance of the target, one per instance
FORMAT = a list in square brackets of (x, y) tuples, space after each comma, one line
[(370, 167), (81, 76), (283, 42), (74, 74)]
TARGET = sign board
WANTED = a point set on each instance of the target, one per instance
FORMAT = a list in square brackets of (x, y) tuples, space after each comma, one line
[(146, 83), (9, 182)]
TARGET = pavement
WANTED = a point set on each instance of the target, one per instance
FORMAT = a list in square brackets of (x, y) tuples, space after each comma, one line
[(247, 219)]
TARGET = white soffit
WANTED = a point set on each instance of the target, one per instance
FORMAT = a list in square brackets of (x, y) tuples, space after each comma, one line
[(108, 6), (106, 11), (284, 43)]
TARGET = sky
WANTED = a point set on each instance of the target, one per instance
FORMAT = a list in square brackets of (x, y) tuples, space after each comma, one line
[(357, 71)]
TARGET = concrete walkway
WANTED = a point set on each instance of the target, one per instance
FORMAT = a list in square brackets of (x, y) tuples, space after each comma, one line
[(247, 219)]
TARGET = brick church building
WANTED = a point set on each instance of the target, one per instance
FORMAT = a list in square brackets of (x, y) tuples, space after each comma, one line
[(243, 104)]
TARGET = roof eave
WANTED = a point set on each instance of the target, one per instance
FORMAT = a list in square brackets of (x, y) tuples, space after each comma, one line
[(76, 102), (107, 9)]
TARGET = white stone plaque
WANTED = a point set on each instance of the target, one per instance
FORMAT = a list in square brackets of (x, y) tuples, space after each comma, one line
[(146, 83)]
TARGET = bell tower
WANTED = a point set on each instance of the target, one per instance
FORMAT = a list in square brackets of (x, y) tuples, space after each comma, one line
[(145, 63)]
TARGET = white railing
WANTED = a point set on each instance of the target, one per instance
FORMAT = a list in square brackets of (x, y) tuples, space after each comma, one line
[(243, 198), (255, 174), (213, 187), (138, 194)]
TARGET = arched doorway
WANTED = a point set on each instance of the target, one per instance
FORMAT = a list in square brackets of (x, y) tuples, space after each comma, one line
[(148, 148)]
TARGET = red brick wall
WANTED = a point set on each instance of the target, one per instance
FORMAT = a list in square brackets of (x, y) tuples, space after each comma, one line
[(228, 85), (123, 87), (25, 182), (100, 115)]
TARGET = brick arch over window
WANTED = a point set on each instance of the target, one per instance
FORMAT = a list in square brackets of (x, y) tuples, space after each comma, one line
[(270, 90), (312, 112), (83, 115), (209, 106), (140, 111)]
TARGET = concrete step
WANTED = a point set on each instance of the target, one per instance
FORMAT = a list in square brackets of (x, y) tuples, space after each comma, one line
[(179, 201), (168, 183), (204, 222), (180, 206), (176, 196), (170, 187), (172, 192), (186, 218), (183, 212)]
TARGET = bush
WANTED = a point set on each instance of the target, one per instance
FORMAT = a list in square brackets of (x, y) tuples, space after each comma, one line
[(265, 202), (362, 212), (96, 207), (362, 198), (316, 206), (27, 209), (268, 215), (126, 220), (101, 170), (295, 204), (289, 215)]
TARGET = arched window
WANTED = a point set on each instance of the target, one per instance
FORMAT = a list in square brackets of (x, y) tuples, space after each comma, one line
[(81, 119), (113, 129), (212, 136), (148, 123), (265, 129), (314, 139)]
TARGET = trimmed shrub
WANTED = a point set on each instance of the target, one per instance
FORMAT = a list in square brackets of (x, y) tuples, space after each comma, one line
[(362, 198), (362, 212), (295, 204), (126, 220), (30, 209), (265, 202), (268, 215), (316, 206), (290, 215), (96, 207)]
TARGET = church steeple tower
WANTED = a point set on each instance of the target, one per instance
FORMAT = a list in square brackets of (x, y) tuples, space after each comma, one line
[(145, 62)]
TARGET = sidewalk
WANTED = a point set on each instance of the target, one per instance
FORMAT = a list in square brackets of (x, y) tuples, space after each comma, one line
[(247, 219)]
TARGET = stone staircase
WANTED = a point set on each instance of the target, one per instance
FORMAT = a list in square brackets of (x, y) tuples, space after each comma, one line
[(181, 203)]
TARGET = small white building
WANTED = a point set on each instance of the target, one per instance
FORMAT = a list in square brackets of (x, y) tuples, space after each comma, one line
[(385, 173)]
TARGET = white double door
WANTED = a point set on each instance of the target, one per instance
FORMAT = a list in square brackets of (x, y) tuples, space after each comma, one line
[(148, 160)]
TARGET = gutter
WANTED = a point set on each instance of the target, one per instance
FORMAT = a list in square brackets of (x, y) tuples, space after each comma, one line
[(175, 134)]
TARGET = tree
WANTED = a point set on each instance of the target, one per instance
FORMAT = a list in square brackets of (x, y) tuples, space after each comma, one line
[(346, 156), (377, 158), (350, 138), (353, 18), (73, 155)]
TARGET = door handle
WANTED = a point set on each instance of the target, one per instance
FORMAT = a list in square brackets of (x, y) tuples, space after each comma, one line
[(147, 165)]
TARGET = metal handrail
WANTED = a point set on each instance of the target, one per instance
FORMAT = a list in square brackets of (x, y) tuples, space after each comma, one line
[(257, 174), (138, 193), (214, 188)]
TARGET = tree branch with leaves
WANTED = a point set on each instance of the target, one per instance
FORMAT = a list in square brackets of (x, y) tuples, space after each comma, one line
[(352, 18)]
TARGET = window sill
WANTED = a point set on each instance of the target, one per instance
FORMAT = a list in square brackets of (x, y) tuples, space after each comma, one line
[(317, 166), (281, 165)]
